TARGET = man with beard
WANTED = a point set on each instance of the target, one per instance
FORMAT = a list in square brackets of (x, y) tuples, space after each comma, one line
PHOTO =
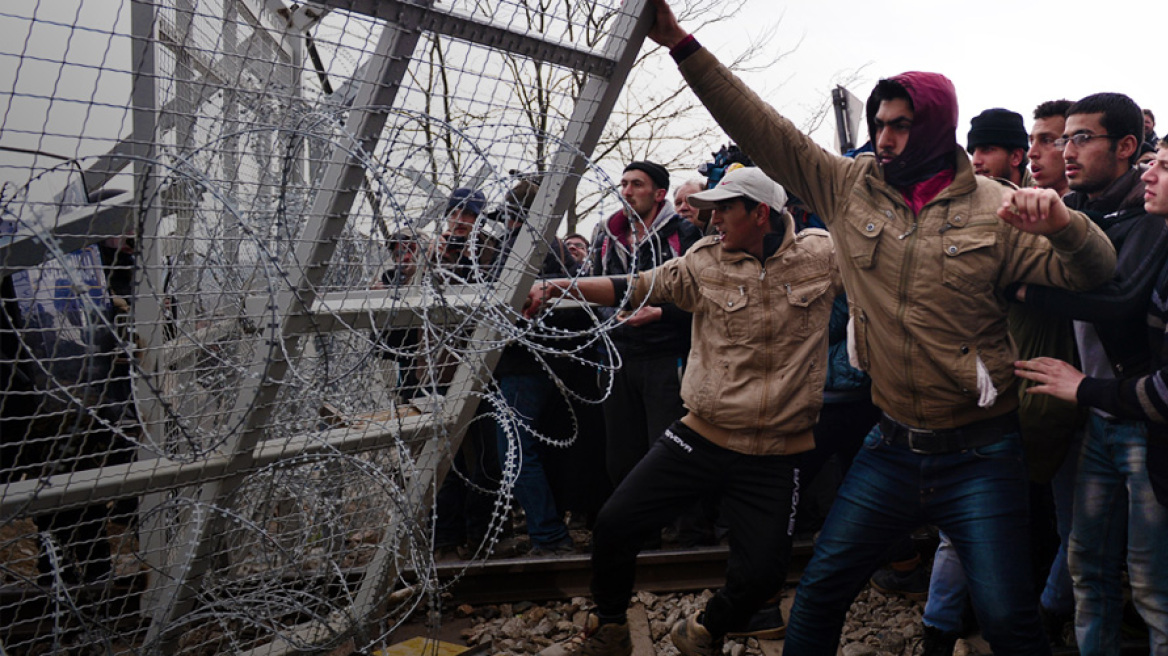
[(1100, 144), (926, 249), (997, 145), (653, 340), (1049, 426)]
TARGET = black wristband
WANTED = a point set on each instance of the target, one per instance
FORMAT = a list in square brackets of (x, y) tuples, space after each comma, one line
[(620, 287), (684, 48)]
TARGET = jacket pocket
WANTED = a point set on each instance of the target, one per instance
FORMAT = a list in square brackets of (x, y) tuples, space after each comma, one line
[(808, 315), (863, 238), (997, 359), (728, 305), (706, 399), (969, 262)]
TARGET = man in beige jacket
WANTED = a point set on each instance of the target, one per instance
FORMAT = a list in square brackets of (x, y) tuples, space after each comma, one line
[(925, 249), (761, 295)]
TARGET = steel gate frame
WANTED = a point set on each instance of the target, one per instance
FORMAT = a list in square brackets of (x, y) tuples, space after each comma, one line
[(172, 593)]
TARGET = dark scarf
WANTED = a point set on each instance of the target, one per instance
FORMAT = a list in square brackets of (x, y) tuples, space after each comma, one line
[(932, 142)]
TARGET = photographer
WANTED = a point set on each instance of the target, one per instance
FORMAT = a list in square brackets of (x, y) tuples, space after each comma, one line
[(452, 248)]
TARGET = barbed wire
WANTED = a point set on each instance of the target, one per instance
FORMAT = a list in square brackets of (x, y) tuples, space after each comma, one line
[(294, 534)]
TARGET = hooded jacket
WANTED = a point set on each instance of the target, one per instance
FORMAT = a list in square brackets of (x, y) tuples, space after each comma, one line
[(933, 136), (925, 286), (668, 237)]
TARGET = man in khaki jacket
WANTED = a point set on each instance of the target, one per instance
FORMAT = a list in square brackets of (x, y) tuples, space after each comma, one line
[(761, 295), (925, 248)]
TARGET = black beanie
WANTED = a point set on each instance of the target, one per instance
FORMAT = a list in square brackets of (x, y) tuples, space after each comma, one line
[(997, 127), (655, 171)]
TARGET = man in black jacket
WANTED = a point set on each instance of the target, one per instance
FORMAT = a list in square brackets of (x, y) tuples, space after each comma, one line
[(653, 341), (1101, 143)]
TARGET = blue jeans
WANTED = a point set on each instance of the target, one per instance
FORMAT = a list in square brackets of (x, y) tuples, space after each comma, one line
[(526, 395), (947, 586), (947, 589), (979, 497), (1114, 502)]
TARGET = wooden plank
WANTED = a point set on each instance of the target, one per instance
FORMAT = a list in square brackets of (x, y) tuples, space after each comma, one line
[(639, 631)]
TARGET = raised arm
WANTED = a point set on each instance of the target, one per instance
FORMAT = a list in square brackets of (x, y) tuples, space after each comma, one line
[(788, 156)]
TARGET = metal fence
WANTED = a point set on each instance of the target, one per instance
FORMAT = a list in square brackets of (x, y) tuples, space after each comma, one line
[(240, 343)]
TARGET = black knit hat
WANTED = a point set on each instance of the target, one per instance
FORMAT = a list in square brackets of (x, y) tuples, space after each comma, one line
[(997, 127), (655, 171)]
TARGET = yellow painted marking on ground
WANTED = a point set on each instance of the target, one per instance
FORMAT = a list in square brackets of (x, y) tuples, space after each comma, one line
[(422, 647)]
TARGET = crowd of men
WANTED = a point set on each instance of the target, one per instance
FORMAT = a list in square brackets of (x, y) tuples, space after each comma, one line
[(1004, 322), (980, 278), (974, 332)]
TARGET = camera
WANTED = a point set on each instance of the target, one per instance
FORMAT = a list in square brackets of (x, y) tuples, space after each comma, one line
[(724, 158)]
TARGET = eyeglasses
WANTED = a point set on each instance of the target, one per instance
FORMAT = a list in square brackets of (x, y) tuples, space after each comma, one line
[(1080, 140)]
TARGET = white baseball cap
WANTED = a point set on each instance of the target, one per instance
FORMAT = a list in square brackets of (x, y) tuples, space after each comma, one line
[(750, 182)]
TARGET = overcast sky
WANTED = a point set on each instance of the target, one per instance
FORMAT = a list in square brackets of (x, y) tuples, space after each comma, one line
[(999, 54)]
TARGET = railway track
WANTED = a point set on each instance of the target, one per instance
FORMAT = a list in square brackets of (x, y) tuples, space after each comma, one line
[(24, 607), (502, 580), (541, 579)]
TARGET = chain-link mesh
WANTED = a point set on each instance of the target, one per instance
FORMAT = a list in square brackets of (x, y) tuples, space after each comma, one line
[(245, 326)]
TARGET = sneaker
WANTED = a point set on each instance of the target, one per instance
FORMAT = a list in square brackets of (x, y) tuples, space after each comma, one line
[(766, 624), (692, 639), (937, 642), (913, 584), (562, 547), (595, 640)]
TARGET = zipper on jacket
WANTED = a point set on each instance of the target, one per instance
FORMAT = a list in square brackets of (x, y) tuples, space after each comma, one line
[(905, 278), (768, 318)]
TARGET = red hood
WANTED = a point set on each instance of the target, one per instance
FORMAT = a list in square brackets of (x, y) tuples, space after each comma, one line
[(933, 138)]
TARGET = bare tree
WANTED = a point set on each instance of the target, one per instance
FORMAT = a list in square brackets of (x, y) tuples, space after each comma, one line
[(818, 112), (652, 119)]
